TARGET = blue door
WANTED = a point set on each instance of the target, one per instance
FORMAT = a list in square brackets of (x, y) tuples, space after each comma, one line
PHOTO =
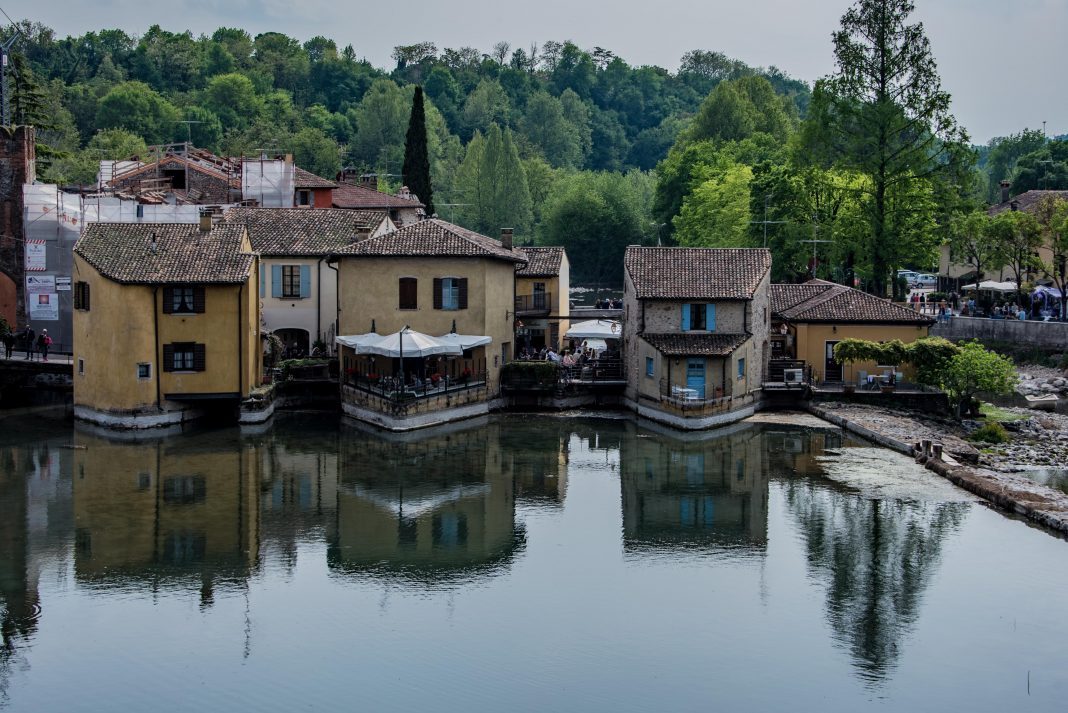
[(695, 376)]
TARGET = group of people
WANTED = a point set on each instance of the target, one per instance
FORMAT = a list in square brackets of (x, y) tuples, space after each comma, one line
[(609, 304), (564, 358), (32, 342)]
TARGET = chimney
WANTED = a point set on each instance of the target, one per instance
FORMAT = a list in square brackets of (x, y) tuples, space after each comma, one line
[(205, 221), (369, 180), (152, 244), (362, 232), (1004, 191), (506, 238)]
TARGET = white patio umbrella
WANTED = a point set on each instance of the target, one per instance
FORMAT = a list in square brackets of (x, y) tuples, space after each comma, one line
[(407, 343), (992, 286), (354, 340), (595, 329), (465, 341)]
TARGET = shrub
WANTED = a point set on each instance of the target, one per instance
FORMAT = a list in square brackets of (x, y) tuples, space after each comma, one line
[(990, 432), (930, 356)]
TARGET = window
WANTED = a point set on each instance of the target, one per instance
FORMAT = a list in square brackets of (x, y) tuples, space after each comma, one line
[(183, 299), (291, 282), (741, 368), (81, 295), (699, 316), (184, 356), (81, 366), (304, 197), (144, 371), (450, 293), (409, 293), (650, 367)]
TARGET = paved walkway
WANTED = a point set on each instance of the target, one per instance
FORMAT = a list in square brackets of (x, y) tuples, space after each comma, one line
[(20, 356)]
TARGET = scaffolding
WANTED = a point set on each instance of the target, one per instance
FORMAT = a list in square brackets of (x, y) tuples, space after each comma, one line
[(268, 181)]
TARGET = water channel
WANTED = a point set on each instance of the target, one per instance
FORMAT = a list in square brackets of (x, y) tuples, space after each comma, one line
[(519, 563)]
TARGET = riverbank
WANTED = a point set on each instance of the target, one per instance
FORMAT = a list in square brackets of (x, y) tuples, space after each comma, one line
[(990, 472)]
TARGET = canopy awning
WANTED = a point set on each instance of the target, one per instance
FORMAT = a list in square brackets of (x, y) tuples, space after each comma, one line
[(597, 345), (465, 341), (991, 286), (595, 329), (355, 340), (406, 343)]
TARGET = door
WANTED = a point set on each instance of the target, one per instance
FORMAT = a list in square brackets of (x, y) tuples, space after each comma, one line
[(832, 370), (695, 376), (539, 296)]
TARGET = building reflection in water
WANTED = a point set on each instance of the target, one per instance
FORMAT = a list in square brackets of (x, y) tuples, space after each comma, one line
[(436, 507), (874, 557), (178, 512), (538, 460), (694, 491)]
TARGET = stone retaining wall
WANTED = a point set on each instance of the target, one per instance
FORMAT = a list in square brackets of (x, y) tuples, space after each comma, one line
[(1049, 335)]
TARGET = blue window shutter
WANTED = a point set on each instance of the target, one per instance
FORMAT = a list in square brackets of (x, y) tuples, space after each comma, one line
[(276, 281), (263, 280), (685, 318), (305, 281), (710, 317)]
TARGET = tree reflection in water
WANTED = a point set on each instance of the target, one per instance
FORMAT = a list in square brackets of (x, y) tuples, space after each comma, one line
[(877, 557)]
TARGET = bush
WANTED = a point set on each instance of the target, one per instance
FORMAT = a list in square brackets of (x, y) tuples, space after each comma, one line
[(991, 432), (930, 356)]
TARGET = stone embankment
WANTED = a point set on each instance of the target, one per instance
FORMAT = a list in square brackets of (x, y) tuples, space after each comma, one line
[(988, 474), (1037, 381)]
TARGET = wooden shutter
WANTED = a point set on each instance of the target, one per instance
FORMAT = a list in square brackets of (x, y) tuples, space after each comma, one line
[(199, 357), (198, 300), (463, 292), (437, 293), (168, 300), (85, 296), (305, 281), (409, 293), (263, 280), (276, 281), (168, 357), (710, 317), (686, 318)]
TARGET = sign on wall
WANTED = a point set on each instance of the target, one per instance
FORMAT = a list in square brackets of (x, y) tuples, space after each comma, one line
[(62, 284), (35, 255), (36, 284), (44, 306)]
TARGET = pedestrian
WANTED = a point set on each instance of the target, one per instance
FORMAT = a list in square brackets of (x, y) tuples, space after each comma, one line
[(29, 336), (43, 343), (9, 343)]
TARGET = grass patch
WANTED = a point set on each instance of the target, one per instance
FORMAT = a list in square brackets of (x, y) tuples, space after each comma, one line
[(993, 413), (992, 432)]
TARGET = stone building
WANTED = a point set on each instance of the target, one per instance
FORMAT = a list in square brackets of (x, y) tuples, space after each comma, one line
[(17, 168)]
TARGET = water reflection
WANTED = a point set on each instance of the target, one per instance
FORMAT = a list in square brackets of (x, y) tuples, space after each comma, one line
[(875, 557), (435, 508), (165, 512), (694, 491)]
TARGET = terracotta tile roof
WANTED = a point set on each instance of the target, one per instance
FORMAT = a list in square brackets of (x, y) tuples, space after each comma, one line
[(696, 273), (307, 179), (827, 302), (675, 344), (170, 162), (347, 195), (123, 252), (1027, 201), (541, 262), (432, 237), (302, 231)]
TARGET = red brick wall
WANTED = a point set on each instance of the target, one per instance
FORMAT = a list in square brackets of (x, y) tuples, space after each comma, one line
[(17, 157)]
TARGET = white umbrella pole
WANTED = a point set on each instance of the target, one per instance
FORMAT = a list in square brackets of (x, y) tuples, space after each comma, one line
[(401, 342)]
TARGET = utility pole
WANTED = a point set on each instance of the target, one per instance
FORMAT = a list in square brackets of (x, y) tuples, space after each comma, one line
[(765, 222), (815, 241), (5, 49)]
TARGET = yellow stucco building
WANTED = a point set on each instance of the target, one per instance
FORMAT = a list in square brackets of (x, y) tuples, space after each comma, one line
[(166, 322), (810, 318), (542, 298), (436, 278)]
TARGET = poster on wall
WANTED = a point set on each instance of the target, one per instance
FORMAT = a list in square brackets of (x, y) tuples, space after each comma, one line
[(36, 284), (62, 284), (44, 306), (35, 256)]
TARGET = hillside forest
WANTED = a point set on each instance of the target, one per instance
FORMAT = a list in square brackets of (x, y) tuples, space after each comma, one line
[(567, 145)]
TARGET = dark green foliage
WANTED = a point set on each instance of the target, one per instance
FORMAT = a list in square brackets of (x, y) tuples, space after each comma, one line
[(416, 170), (930, 357), (990, 432)]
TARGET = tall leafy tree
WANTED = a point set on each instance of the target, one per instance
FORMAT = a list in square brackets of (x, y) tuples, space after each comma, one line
[(492, 185), (884, 114), (971, 244), (1018, 236), (416, 169), (716, 213)]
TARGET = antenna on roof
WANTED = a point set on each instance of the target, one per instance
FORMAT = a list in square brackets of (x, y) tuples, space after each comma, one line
[(5, 48)]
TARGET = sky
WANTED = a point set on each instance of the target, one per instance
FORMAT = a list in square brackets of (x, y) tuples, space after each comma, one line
[(999, 59)]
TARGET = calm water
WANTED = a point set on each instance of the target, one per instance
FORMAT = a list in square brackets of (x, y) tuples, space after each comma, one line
[(518, 564)]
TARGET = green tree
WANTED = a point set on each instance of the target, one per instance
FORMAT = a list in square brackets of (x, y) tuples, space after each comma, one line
[(1044, 169), (314, 151), (1003, 153), (487, 104), (716, 213), (973, 370), (1052, 215), (139, 108), (545, 127), (492, 184), (738, 109), (203, 128), (416, 170), (971, 243), (232, 97), (1018, 237), (380, 119), (884, 114)]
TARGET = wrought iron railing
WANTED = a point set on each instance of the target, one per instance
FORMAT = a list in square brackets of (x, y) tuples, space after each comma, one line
[(538, 302), (392, 389)]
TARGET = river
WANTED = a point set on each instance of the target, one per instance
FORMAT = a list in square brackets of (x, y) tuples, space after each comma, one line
[(516, 563)]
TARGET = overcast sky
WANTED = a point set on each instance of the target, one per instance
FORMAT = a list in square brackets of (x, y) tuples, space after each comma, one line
[(1002, 60)]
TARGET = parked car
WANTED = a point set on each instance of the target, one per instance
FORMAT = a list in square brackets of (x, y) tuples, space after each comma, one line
[(925, 280)]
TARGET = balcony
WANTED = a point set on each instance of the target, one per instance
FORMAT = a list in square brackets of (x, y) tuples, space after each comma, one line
[(539, 303)]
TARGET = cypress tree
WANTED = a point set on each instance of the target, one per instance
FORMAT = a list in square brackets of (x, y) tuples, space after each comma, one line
[(416, 168)]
